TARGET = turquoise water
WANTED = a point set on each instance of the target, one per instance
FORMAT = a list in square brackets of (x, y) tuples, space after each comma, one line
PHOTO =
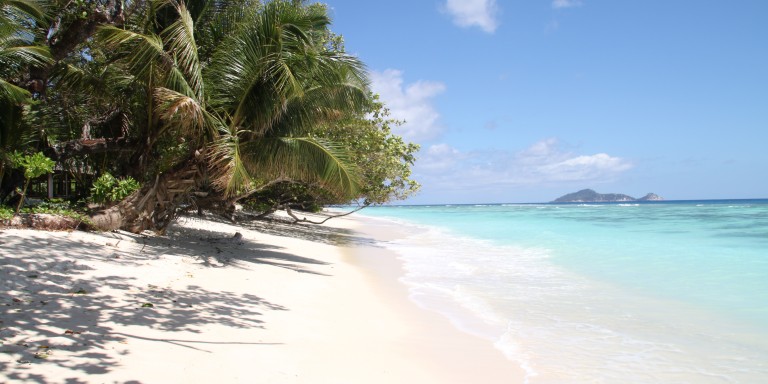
[(651, 292)]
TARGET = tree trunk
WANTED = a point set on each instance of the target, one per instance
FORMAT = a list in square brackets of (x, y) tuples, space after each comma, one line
[(155, 206), (23, 195)]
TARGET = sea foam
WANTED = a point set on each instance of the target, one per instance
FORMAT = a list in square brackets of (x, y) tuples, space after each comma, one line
[(570, 293)]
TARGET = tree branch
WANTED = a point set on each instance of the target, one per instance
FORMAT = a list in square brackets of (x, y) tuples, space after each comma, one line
[(304, 219), (82, 147)]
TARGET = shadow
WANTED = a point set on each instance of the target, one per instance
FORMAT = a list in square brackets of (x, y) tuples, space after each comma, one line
[(279, 226), (53, 312), (183, 343), (214, 249)]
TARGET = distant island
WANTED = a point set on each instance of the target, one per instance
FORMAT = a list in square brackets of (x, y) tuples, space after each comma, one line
[(590, 196)]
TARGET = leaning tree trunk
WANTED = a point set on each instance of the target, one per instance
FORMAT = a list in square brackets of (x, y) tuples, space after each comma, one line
[(155, 206)]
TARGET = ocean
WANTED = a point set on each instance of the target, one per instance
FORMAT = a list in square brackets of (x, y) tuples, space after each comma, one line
[(654, 292)]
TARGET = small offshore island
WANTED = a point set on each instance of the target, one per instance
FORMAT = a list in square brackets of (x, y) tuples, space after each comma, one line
[(590, 196)]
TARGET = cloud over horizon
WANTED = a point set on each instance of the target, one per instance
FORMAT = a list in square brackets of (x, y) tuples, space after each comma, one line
[(544, 162), (411, 103), (474, 13)]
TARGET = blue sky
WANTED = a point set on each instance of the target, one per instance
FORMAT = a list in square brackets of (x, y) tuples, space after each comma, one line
[(526, 100)]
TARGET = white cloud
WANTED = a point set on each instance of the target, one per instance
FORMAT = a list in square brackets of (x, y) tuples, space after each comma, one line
[(474, 13), (557, 4), (582, 168), (412, 103), (543, 163), (440, 158)]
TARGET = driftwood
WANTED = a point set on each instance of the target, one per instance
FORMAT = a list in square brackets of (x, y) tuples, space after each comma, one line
[(42, 221), (296, 220)]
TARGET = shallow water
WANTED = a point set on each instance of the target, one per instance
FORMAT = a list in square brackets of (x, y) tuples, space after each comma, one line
[(600, 293)]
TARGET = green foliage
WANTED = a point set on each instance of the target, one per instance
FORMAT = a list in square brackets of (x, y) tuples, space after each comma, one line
[(34, 166), (294, 195), (259, 94), (54, 205), (124, 188), (384, 159), (381, 159), (17, 55), (108, 189), (58, 207), (6, 213), (102, 188)]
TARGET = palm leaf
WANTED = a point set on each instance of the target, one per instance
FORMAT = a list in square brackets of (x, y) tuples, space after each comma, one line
[(180, 110), (18, 16), (29, 8), (27, 55), (304, 159), (226, 162), (144, 52), (12, 94), (180, 37)]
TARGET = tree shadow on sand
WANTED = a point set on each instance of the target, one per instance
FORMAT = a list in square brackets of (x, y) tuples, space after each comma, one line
[(279, 226), (218, 249), (51, 313)]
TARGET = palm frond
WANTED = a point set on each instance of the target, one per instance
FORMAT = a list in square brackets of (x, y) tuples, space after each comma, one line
[(334, 92), (228, 170), (180, 37), (29, 8), (26, 55), (18, 16), (261, 67), (12, 94), (144, 51), (180, 110), (221, 20), (305, 159)]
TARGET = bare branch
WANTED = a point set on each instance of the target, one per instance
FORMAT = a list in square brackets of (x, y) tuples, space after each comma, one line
[(304, 219)]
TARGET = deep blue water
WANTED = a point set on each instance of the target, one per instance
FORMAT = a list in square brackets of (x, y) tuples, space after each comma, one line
[(637, 292)]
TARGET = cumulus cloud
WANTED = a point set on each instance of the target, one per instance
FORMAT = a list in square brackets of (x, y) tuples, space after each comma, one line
[(545, 162), (440, 158), (474, 13), (411, 102), (557, 4), (582, 168)]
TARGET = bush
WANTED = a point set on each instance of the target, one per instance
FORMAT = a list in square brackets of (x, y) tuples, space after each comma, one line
[(56, 207), (55, 204), (34, 166), (107, 189), (6, 213)]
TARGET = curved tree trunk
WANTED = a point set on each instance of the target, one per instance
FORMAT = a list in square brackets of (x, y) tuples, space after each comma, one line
[(155, 206)]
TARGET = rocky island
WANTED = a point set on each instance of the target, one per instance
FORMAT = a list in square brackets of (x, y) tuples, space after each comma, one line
[(590, 196)]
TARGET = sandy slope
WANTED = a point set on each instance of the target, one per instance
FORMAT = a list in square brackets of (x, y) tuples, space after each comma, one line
[(281, 304)]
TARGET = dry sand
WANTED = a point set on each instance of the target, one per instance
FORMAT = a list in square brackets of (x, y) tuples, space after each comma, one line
[(279, 304)]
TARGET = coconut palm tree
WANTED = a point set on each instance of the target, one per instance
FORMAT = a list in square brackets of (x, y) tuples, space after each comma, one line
[(17, 54), (228, 120)]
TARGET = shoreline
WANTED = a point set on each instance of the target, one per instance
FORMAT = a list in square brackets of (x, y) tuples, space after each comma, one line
[(281, 304), (469, 357)]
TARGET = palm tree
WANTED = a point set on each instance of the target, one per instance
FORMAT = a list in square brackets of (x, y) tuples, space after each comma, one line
[(238, 115), (17, 54)]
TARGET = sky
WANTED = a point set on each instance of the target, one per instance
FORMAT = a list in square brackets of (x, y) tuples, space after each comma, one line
[(516, 101)]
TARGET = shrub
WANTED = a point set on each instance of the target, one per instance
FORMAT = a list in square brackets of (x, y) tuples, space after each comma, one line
[(34, 166), (107, 189), (6, 213)]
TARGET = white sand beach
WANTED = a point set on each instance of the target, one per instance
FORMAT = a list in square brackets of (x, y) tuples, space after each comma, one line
[(279, 304)]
